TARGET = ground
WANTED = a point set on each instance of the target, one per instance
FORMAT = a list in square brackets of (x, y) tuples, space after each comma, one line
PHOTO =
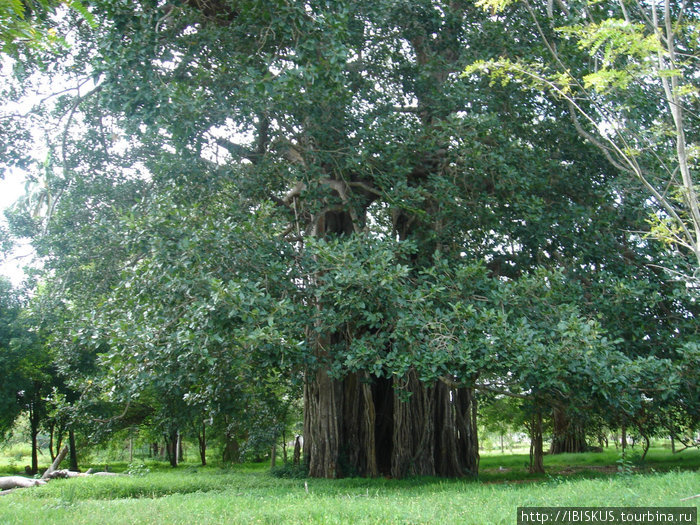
[(251, 494)]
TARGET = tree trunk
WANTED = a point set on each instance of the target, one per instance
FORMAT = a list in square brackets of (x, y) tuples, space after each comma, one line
[(202, 440), (273, 455), (536, 446), (52, 427), (413, 428), (171, 447), (569, 437), (623, 439), (284, 446), (34, 431), (297, 451), (647, 444), (232, 451), (73, 461), (56, 463), (365, 425), (673, 445), (321, 424)]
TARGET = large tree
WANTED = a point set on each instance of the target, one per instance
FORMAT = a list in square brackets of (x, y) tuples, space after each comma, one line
[(245, 190)]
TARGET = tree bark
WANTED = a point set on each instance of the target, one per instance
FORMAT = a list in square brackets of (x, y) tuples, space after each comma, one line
[(297, 451), (56, 463), (536, 445), (413, 428), (171, 447), (202, 440), (623, 439), (322, 425), (232, 451), (34, 431), (10, 482), (569, 437), (73, 456)]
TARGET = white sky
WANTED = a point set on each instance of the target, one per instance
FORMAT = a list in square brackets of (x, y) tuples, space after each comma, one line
[(11, 189)]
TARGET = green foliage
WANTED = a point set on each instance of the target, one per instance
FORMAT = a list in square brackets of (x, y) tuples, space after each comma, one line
[(277, 188), (27, 23)]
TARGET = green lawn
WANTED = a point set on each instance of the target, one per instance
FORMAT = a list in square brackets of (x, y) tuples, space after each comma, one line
[(250, 494)]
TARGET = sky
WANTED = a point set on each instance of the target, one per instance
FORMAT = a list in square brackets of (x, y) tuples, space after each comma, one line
[(11, 189)]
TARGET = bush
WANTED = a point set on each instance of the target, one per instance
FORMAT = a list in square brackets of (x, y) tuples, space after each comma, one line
[(291, 471)]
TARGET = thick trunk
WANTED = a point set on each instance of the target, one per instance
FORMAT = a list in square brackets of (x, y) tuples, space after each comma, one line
[(400, 428), (358, 453), (413, 428), (467, 434), (322, 397), (569, 437)]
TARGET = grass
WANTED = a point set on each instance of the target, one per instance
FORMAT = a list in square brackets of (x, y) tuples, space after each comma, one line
[(250, 494)]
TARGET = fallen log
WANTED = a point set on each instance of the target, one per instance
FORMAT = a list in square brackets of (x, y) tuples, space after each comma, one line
[(12, 482), (65, 473), (55, 464)]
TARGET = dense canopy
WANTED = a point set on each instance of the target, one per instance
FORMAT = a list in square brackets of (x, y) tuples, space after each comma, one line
[(241, 204)]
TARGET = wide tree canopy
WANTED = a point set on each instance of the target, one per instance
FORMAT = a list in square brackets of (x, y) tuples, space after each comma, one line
[(242, 199)]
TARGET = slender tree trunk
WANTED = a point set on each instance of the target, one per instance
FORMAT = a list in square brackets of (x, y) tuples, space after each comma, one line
[(296, 458), (202, 440), (273, 455), (34, 431), (172, 447), (73, 455), (647, 444), (284, 446), (623, 439), (52, 427), (673, 445)]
